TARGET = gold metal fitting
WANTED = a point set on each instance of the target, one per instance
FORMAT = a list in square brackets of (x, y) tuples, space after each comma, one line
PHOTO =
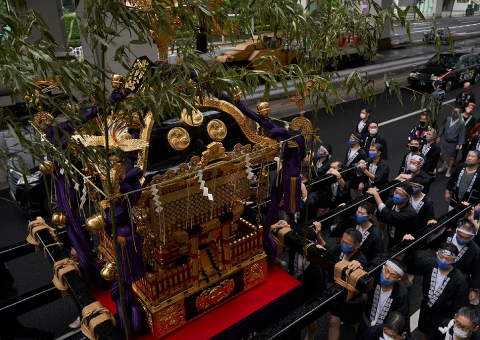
[(116, 81), (95, 224), (43, 119), (59, 219), (237, 94), (264, 109), (133, 122), (108, 271), (46, 168)]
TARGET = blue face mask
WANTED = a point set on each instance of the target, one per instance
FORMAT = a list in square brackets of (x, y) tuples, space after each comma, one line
[(416, 191), (361, 218), (304, 182), (346, 249), (384, 281), (443, 265), (319, 154), (352, 142), (461, 242), (372, 154), (397, 199)]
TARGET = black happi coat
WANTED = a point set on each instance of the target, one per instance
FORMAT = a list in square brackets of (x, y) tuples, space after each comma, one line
[(472, 195), (400, 222), (376, 333), (322, 170), (426, 211), (365, 127), (381, 175), (474, 144), (368, 140), (443, 303), (418, 132), (371, 246), (361, 154), (437, 335), (468, 258), (397, 302), (431, 155), (354, 181)]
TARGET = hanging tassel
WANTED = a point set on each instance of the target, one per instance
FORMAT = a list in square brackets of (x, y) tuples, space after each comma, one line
[(292, 191)]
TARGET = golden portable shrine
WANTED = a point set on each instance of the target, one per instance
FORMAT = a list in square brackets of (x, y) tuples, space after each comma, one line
[(183, 247), (203, 253)]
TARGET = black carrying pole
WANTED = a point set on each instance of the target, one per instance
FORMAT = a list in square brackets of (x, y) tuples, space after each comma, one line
[(317, 183), (48, 293), (321, 304)]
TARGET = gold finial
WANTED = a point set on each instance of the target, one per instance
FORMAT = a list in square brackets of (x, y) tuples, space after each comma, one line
[(264, 110), (116, 81)]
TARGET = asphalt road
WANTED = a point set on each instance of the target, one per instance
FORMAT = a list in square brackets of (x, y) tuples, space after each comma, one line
[(457, 26), (34, 270)]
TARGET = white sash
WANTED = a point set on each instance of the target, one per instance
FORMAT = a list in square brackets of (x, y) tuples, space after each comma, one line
[(352, 157)]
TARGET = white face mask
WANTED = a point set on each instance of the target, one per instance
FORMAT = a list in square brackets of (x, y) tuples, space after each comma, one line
[(458, 333), (412, 167), (373, 131), (386, 337), (362, 116)]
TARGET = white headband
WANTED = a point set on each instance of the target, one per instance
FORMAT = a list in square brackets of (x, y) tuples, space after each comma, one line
[(419, 159), (395, 267), (421, 186), (465, 232), (354, 137), (447, 252), (404, 191), (326, 152)]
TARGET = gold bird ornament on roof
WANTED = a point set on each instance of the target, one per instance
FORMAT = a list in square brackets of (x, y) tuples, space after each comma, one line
[(118, 137)]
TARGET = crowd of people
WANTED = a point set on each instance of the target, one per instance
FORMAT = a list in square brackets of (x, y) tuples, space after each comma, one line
[(451, 280)]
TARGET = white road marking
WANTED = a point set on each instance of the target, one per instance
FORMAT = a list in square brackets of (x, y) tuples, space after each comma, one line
[(414, 320), (408, 115)]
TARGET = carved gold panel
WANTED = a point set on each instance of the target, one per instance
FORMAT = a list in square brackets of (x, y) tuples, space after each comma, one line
[(215, 295)]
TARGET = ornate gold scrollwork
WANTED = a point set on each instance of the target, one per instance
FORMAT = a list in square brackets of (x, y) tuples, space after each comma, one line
[(242, 121), (215, 295), (303, 124), (43, 119), (178, 138), (217, 130), (195, 119)]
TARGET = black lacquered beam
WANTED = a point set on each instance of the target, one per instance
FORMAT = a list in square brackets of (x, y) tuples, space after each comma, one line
[(19, 249), (78, 291), (319, 182), (351, 207), (320, 305), (321, 257), (448, 221), (29, 301)]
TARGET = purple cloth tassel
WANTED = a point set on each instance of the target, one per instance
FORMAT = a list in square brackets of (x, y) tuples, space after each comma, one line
[(132, 308), (291, 198), (67, 201)]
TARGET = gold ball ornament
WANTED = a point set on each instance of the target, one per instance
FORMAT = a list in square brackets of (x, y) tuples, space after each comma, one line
[(108, 271), (46, 168), (59, 219), (116, 81), (95, 224), (264, 110), (237, 94)]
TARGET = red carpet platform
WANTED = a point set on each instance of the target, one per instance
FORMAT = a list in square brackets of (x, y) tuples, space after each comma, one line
[(238, 319)]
